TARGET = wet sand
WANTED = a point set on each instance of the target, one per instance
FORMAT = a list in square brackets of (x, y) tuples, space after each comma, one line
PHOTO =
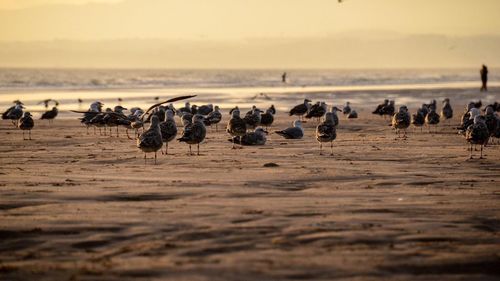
[(82, 207)]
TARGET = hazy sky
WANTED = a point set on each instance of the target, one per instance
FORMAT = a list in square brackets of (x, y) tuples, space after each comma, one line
[(111, 19), (258, 33)]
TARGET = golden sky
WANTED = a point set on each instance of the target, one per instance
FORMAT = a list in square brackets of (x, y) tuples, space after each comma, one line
[(249, 33), (236, 19)]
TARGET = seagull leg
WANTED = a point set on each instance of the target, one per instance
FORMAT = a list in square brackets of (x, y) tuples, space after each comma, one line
[(117, 133), (144, 158), (190, 152), (30, 139), (331, 147), (470, 150), (24, 138), (216, 130), (198, 149), (234, 143), (166, 148), (481, 152), (320, 148), (155, 157)]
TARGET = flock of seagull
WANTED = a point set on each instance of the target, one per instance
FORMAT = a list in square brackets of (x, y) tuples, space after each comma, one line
[(249, 129)]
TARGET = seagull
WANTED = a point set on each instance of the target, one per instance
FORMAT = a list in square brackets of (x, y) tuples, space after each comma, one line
[(352, 115), (446, 110), (432, 118), (135, 121), (432, 105), (26, 123), (98, 120), (267, 119), (194, 109), (205, 109), (187, 119), (14, 113), (389, 109), (301, 109), (326, 132), (168, 129), (236, 126), (401, 121), (424, 109), (272, 109), (93, 111), (334, 111), (253, 120), (115, 118), (194, 133), (379, 108), (347, 108), (468, 120), (418, 119), (151, 140), (318, 110), (258, 137), (492, 121), (50, 115), (233, 109), (250, 112), (213, 117), (295, 132), (477, 133), (186, 108)]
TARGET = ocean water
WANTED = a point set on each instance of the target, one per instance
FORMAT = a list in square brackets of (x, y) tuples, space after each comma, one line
[(224, 87), (78, 79)]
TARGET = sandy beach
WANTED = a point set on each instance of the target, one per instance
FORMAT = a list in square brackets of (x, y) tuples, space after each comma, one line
[(83, 207)]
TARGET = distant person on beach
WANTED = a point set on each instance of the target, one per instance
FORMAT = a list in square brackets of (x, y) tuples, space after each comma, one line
[(283, 77), (484, 78)]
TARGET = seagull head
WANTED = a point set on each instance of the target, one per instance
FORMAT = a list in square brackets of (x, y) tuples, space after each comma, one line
[(297, 123), (236, 113)]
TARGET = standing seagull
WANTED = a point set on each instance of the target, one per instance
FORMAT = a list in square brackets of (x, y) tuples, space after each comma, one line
[(168, 129), (272, 109), (379, 108), (253, 119), (267, 118), (347, 108), (14, 113), (418, 119), (301, 109), (389, 109), (492, 121), (194, 133), (236, 126), (326, 132), (432, 118), (214, 117), (446, 110), (477, 133), (50, 115), (334, 116), (401, 121), (26, 123), (151, 140), (295, 132), (318, 110)]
